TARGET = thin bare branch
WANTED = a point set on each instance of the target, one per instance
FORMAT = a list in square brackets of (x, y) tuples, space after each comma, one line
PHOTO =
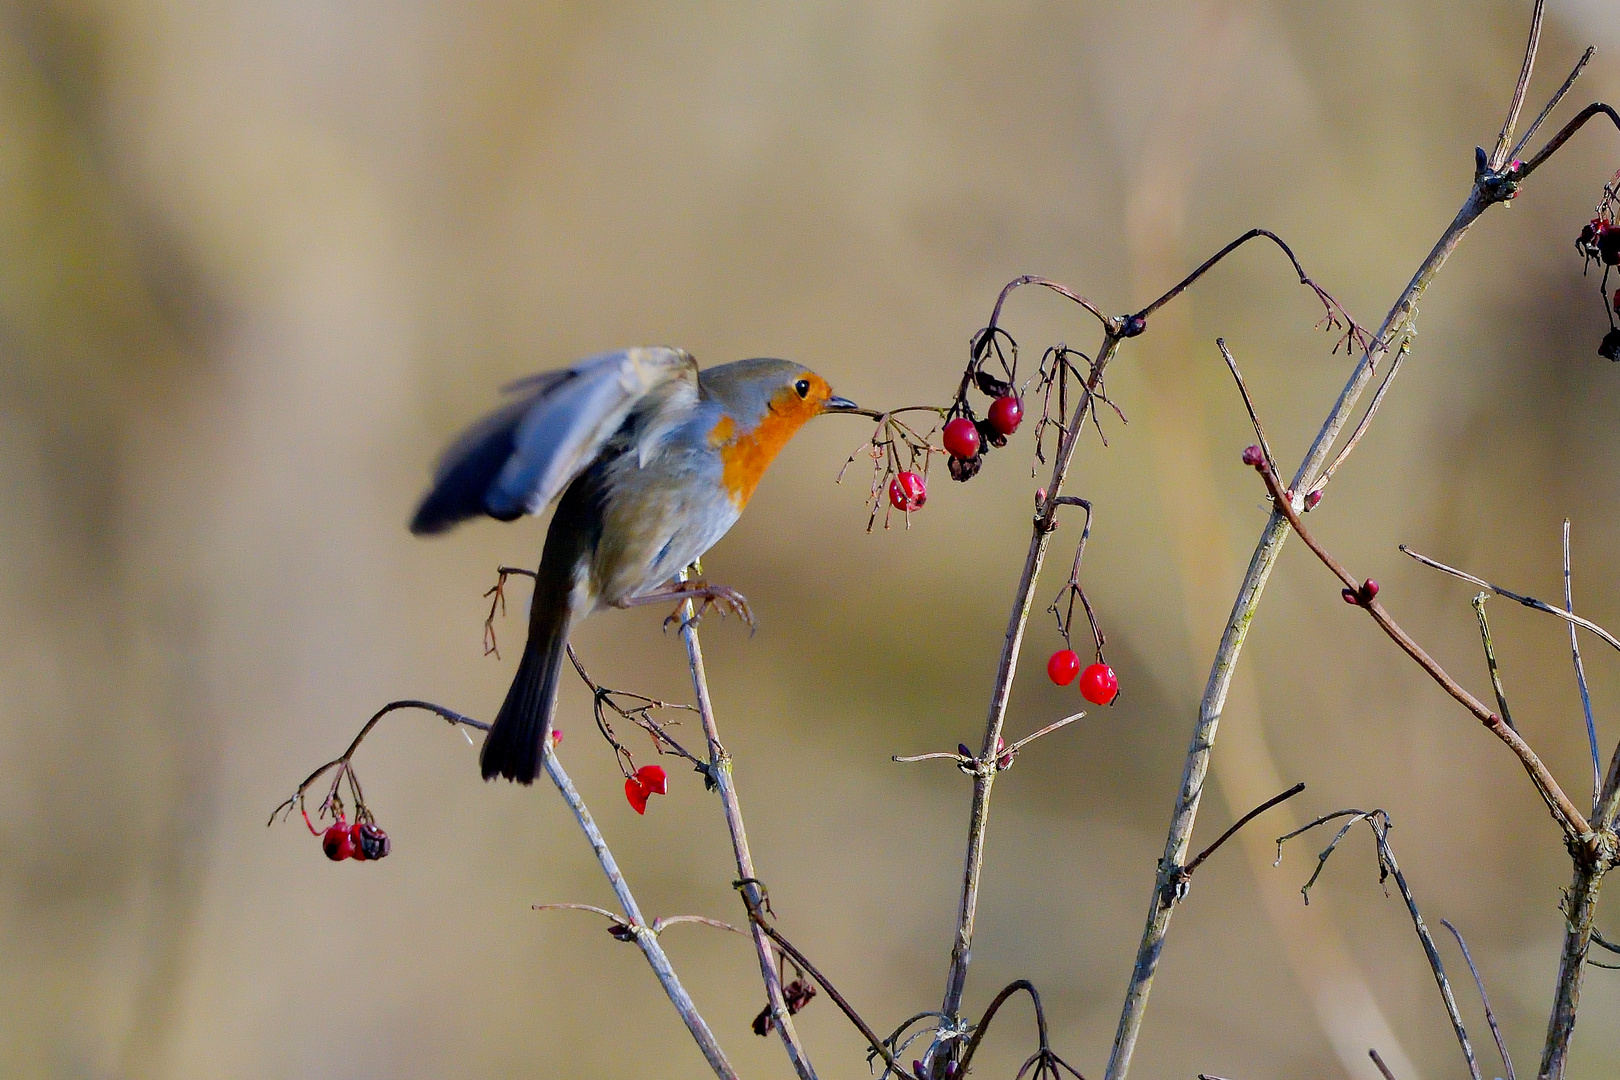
[(1248, 402), (1366, 419), (752, 896), (1571, 820), (1046, 283), (1580, 681), (1552, 103), (1378, 821), (1499, 157), (1336, 313), (1485, 999), (1187, 871), (719, 770), (1563, 136), (644, 937), (1527, 601), (1378, 1061), (1490, 659), (1047, 730)]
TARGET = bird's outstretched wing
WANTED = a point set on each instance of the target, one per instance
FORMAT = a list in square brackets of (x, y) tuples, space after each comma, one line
[(520, 457)]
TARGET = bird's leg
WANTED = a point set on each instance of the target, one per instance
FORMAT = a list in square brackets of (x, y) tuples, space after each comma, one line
[(726, 600)]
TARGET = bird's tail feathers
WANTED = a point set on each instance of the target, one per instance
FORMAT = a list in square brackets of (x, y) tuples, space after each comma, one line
[(522, 728)]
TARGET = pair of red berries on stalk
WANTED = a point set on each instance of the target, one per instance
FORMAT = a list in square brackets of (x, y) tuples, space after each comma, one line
[(646, 781), (964, 441), (1098, 683), (363, 841)]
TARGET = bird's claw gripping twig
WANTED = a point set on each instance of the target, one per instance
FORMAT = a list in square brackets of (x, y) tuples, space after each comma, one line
[(726, 600)]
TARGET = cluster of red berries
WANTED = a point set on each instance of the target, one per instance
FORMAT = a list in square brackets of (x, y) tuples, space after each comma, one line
[(648, 780), (1098, 683), (363, 841), (966, 439)]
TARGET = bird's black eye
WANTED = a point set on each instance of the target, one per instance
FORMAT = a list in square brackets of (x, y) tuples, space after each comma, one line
[(803, 387)]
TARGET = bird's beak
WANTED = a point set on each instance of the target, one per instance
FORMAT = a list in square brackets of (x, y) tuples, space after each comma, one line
[(840, 404)]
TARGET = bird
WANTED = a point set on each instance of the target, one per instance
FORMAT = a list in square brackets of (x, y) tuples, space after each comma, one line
[(650, 461)]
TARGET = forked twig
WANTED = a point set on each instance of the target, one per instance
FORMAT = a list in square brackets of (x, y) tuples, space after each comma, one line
[(645, 936), (1527, 601), (1573, 822), (1378, 821), (1499, 157)]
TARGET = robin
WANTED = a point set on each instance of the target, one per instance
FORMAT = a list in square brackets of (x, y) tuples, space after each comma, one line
[(654, 461)]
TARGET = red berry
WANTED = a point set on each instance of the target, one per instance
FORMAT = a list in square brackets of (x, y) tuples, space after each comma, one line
[(637, 793), (357, 850), (1006, 413), (908, 492), (1098, 684), (337, 842), (1253, 455), (961, 438), (1063, 667), (653, 778)]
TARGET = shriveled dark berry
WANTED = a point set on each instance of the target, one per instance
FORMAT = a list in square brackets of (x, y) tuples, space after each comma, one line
[(1610, 349), (989, 435), (372, 843), (990, 386), (965, 469), (1608, 246)]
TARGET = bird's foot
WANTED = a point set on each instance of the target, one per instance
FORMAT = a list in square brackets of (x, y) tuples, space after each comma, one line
[(727, 601)]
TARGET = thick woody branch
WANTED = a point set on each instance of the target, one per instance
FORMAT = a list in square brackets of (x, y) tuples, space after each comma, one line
[(1396, 325)]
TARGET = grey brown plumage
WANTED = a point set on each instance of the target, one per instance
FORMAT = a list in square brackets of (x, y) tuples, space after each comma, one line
[(654, 462)]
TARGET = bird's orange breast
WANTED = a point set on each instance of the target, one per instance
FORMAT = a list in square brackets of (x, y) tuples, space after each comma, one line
[(745, 455)]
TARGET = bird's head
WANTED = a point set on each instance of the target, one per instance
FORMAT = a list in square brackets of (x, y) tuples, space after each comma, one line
[(755, 391), (763, 404)]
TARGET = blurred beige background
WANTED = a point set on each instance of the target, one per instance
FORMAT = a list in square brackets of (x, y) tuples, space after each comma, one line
[(261, 260)]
